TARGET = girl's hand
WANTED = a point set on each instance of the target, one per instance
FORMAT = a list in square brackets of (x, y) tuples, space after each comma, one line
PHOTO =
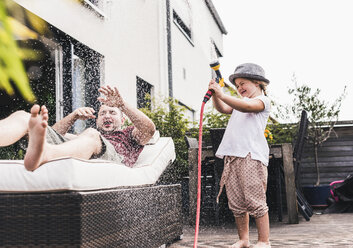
[(112, 97), (84, 113), (215, 88)]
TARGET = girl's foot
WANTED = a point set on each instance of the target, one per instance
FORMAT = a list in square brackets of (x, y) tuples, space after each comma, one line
[(262, 245), (241, 244), (37, 127)]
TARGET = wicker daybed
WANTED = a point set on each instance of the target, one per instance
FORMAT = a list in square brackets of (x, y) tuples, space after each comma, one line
[(92, 203)]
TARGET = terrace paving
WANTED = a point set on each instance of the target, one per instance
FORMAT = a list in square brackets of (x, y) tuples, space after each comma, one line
[(323, 230)]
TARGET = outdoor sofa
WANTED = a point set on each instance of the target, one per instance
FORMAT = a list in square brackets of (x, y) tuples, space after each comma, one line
[(91, 203)]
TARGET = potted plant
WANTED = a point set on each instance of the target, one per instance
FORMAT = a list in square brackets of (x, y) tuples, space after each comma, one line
[(322, 117)]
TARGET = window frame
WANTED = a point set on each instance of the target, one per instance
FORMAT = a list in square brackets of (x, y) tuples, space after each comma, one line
[(192, 111), (70, 47), (98, 10), (138, 93), (184, 29)]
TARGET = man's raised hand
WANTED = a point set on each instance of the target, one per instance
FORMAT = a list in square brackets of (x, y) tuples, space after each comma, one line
[(84, 113), (112, 97)]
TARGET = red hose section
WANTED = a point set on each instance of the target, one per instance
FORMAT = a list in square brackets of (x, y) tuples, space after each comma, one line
[(199, 179)]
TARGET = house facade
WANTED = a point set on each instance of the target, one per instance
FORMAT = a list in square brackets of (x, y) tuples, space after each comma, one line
[(163, 48)]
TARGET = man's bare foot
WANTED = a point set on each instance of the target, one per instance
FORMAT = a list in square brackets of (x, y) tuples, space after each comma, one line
[(37, 127), (241, 244)]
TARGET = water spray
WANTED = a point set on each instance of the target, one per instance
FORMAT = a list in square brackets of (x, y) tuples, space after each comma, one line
[(219, 79)]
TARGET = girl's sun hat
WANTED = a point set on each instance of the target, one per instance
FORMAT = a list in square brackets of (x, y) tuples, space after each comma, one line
[(250, 71)]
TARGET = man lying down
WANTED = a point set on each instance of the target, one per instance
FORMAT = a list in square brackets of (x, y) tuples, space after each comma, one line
[(108, 141)]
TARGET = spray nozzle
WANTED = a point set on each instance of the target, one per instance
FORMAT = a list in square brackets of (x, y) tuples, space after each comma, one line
[(219, 79)]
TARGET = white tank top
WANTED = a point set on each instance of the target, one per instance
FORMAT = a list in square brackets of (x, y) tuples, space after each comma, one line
[(245, 133)]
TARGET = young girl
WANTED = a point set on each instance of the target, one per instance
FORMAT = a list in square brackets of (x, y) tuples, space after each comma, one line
[(245, 151)]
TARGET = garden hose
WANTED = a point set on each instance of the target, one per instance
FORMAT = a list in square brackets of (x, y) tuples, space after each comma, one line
[(215, 66)]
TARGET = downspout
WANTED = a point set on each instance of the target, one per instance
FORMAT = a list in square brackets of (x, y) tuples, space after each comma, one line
[(169, 50)]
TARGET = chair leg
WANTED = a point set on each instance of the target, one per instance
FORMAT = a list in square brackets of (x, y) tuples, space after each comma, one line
[(279, 192), (216, 182)]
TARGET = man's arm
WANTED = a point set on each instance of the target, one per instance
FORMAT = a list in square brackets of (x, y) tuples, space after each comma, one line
[(66, 123), (144, 127)]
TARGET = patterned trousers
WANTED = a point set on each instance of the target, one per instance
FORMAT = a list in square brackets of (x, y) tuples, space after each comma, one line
[(245, 180)]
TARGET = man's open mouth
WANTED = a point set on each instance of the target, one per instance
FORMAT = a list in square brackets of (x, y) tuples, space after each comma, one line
[(107, 123)]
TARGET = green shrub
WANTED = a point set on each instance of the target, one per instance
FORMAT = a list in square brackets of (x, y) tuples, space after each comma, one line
[(170, 120), (13, 152)]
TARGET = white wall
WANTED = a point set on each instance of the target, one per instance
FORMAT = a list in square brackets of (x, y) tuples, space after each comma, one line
[(137, 46), (72, 18), (129, 38), (133, 40), (194, 58)]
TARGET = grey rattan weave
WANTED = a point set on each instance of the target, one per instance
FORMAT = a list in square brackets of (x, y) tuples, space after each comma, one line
[(124, 217)]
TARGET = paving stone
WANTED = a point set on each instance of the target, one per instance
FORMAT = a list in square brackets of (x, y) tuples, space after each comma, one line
[(322, 231)]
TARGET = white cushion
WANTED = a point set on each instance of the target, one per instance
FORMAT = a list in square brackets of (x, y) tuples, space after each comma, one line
[(76, 174), (154, 138)]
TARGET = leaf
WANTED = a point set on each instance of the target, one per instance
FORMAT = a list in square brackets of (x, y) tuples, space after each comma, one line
[(4, 82), (11, 66)]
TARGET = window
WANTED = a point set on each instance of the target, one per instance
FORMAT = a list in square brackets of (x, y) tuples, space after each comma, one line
[(185, 29), (143, 90), (64, 75), (78, 89), (44, 71), (182, 18), (82, 68), (179, 22), (215, 49), (189, 113), (97, 6), (95, 2)]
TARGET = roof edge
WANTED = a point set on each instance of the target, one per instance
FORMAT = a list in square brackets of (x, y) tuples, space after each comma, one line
[(216, 16)]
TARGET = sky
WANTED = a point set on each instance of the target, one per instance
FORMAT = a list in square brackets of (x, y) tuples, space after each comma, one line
[(311, 39)]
